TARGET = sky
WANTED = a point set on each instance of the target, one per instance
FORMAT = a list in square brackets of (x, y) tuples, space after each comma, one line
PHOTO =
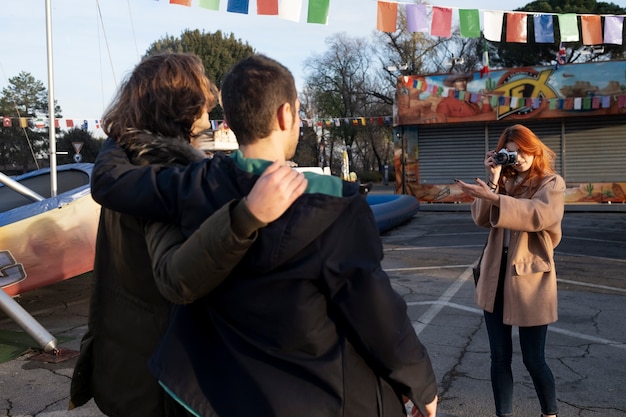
[(91, 55)]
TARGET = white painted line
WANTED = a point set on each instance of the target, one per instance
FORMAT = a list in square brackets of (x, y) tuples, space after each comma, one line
[(585, 284), (421, 268), (407, 248), (434, 309), (600, 258), (440, 304)]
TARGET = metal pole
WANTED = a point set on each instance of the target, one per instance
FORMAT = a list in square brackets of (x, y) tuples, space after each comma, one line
[(25, 191), (15, 311), (51, 127)]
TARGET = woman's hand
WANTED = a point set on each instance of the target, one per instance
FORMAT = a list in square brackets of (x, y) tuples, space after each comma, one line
[(479, 190), (493, 168), (274, 192)]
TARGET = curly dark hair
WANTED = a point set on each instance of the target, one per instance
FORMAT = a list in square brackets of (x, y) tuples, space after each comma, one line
[(164, 95)]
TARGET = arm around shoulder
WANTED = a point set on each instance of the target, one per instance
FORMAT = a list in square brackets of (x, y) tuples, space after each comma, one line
[(186, 270)]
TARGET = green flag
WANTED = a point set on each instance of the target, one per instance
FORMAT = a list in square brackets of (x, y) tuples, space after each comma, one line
[(470, 23), (209, 4), (318, 11), (568, 26)]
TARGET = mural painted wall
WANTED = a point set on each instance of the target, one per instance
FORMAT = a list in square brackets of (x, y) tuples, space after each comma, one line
[(607, 193), (572, 90)]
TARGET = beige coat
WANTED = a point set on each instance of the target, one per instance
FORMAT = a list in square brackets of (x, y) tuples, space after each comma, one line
[(534, 221)]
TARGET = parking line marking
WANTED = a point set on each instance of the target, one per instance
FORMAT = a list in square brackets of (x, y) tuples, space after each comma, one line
[(440, 304)]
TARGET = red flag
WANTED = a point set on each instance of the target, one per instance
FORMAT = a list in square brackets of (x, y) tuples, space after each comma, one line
[(6, 122), (516, 27), (181, 2), (441, 24), (267, 7), (69, 122)]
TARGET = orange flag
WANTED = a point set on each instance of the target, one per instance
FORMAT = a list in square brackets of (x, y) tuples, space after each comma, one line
[(516, 27), (181, 2), (387, 18), (23, 122), (591, 29)]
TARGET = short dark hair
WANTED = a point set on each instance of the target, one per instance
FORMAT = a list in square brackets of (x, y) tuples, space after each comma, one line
[(252, 92), (164, 95)]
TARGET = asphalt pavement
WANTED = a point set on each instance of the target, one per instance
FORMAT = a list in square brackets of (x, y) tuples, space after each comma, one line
[(429, 261)]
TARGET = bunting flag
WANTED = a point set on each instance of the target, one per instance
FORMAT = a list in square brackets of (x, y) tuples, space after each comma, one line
[(516, 27), (238, 6), (591, 28), (6, 122), (23, 122), (69, 123), (267, 7), (493, 25), (613, 29), (560, 56), (181, 2), (318, 11), (416, 18), (470, 23), (209, 4), (441, 24), (568, 26), (290, 9), (485, 69), (387, 18), (544, 28)]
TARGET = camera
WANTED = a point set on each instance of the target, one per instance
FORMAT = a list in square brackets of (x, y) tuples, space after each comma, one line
[(504, 157)]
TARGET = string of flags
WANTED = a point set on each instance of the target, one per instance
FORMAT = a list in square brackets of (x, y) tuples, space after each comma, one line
[(317, 11), (93, 124), (514, 102), (43, 123), (437, 21)]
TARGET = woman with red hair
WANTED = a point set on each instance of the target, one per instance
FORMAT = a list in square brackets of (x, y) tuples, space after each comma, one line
[(522, 204)]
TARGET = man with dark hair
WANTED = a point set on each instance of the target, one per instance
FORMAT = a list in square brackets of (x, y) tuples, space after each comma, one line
[(308, 322)]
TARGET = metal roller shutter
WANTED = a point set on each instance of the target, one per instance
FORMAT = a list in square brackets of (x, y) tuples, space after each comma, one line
[(454, 151), (595, 150)]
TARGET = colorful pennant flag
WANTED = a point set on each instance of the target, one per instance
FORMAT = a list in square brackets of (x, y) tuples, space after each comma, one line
[(23, 122), (416, 18), (290, 9), (470, 23), (238, 6), (267, 7), (493, 25), (209, 4), (485, 69), (181, 2), (516, 27), (69, 123), (568, 27), (560, 56), (318, 11), (387, 18), (591, 28), (613, 29), (544, 28), (441, 24), (6, 122)]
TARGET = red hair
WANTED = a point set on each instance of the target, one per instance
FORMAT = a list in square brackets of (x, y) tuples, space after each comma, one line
[(529, 144)]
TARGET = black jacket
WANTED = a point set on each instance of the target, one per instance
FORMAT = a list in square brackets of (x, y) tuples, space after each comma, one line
[(139, 272), (307, 323)]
